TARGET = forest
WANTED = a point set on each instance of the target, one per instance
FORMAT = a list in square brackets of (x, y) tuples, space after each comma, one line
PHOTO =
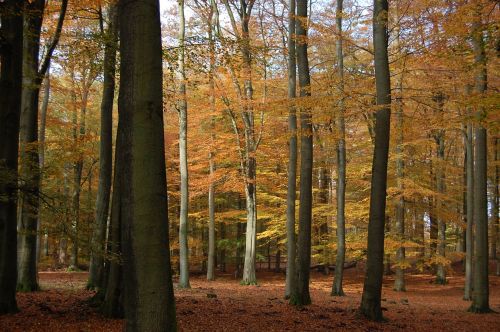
[(249, 165)]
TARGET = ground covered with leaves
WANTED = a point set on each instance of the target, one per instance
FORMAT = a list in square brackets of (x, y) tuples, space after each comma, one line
[(224, 305)]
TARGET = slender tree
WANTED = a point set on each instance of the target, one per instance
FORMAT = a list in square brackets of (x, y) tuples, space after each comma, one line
[(148, 290), (105, 152), (372, 288), (11, 31), (182, 109), (211, 24), (480, 292), (469, 237), (341, 158), (301, 295), (292, 156)]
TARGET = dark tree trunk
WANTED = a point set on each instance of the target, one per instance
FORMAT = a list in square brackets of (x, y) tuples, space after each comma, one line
[(148, 290), (480, 292), (29, 172), (105, 153), (341, 164), (292, 158), (11, 31), (301, 294), (469, 239), (372, 289)]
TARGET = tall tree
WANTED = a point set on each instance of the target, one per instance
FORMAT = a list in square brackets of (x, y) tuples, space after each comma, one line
[(301, 294), (399, 280), (341, 160), (182, 109), (480, 292), (469, 236), (291, 248), (11, 64), (441, 224), (148, 289), (105, 151), (211, 24), (248, 160), (29, 170), (372, 288)]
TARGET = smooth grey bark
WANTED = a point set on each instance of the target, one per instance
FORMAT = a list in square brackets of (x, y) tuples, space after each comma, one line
[(11, 31), (105, 152), (469, 241), (112, 302), (399, 280), (183, 165), (495, 234), (480, 292), (211, 24), (301, 296), (29, 172), (291, 270), (341, 161), (148, 290), (41, 159), (440, 187), (372, 288), (29, 168)]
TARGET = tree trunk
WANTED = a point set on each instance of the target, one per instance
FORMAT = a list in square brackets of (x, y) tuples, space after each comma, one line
[(441, 224), (29, 172), (105, 153), (148, 289), (211, 189), (480, 292), (301, 295), (11, 31), (292, 157), (341, 162), (469, 240), (41, 158), (495, 238), (183, 166), (399, 280), (112, 293), (372, 289)]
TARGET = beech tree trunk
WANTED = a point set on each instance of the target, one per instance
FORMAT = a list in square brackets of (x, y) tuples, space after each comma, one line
[(469, 240), (211, 24), (292, 157), (29, 172), (301, 295), (105, 153), (495, 234), (183, 166), (341, 161), (480, 292), (441, 223), (11, 31), (148, 290), (399, 280), (372, 288)]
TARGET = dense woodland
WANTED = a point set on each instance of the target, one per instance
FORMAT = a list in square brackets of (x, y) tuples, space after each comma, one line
[(152, 142)]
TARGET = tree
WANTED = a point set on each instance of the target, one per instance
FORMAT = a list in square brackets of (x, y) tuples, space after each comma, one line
[(182, 109), (372, 288), (301, 295), (480, 292), (341, 157), (291, 278), (29, 171), (11, 31), (148, 289), (96, 273)]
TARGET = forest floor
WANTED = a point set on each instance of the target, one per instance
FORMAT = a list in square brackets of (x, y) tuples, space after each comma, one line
[(62, 305)]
